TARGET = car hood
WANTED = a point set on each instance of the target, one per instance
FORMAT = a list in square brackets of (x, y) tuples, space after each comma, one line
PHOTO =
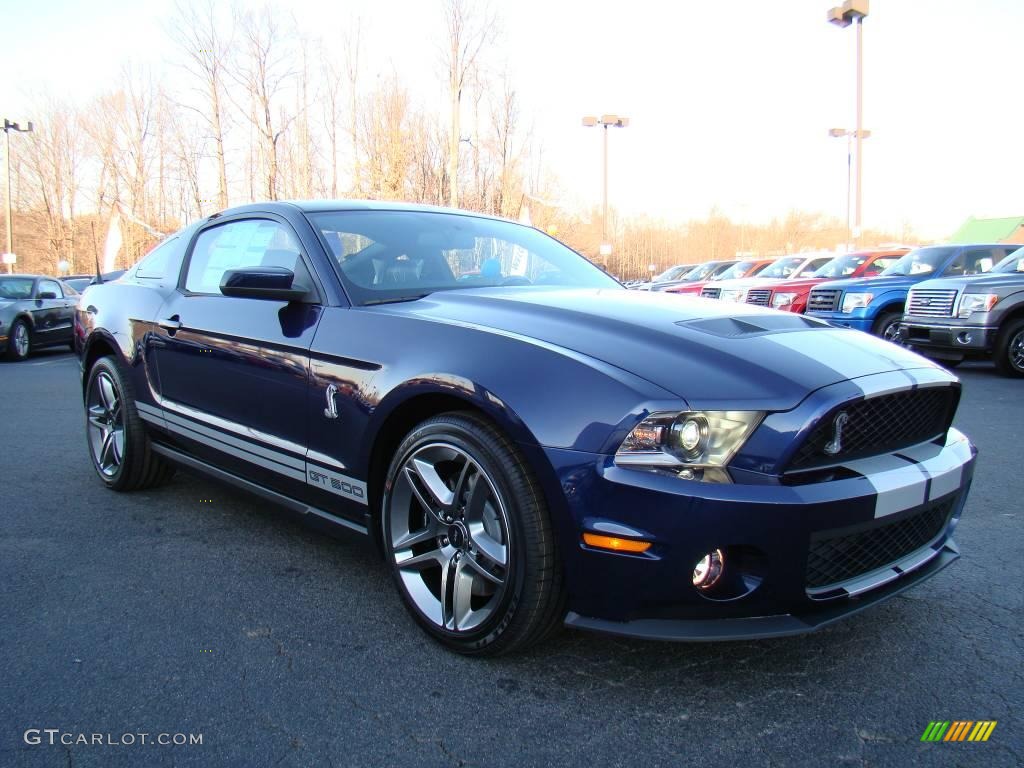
[(712, 355), (874, 284), (978, 283), (804, 284)]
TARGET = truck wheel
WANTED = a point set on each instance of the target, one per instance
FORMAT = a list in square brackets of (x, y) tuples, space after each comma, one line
[(888, 326), (1009, 352)]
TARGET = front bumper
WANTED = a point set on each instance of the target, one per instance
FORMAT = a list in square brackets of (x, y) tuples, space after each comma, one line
[(951, 337), (768, 533), (857, 322)]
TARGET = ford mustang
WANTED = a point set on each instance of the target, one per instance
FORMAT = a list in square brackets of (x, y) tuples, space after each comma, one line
[(528, 443)]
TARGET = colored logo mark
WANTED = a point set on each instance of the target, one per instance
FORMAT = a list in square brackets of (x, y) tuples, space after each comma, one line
[(958, 730)]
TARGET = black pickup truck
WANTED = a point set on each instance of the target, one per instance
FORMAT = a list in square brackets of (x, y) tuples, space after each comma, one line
[(951, 319)]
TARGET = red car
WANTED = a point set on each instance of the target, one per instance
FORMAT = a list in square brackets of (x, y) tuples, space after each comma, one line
[(744, 268), (791, 295)]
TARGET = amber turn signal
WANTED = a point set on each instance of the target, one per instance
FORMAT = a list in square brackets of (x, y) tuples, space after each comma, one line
[(615, 544)]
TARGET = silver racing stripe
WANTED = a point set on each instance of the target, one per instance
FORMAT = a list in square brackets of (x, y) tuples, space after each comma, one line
[(899, 483)]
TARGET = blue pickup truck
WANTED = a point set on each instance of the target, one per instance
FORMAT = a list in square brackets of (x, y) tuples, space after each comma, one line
[(875, 304)]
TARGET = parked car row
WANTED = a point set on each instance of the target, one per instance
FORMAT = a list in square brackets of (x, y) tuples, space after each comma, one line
[(965, 312)]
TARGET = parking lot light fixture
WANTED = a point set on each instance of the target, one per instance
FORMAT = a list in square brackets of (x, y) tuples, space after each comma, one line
[(8, 127), (606, 122), (850, 12), (837, 133)]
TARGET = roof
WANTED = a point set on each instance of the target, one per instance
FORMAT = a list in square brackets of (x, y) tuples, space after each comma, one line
[(327, 206), (987, 230)]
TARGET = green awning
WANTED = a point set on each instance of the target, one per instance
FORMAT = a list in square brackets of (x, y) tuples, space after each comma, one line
[(987, 230)]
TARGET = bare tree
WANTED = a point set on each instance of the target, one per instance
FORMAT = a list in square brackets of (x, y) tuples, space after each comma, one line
[(470, 26)]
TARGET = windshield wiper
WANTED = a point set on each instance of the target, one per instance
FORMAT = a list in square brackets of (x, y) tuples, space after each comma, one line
[(396, 299)]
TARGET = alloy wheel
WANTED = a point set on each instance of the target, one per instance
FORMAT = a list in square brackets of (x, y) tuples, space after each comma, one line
[(892, 332), (1016, 351), (449, 536), (21, 342), (106, 424)]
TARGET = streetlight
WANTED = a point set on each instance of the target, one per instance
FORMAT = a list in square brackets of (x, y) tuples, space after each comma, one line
[(606, 122), (839, 133), (8, 127), (843, 16)]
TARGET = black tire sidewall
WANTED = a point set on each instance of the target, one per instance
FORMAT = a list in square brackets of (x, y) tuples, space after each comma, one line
[(884, 321), (1002, 353), (459, 432)]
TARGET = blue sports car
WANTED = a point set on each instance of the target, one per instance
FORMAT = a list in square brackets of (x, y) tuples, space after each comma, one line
[(528, 443)]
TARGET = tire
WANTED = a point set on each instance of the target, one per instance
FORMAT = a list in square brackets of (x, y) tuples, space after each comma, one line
[(475, 561), (888, 325), (19, 346), (1009, 350), (115, 436)]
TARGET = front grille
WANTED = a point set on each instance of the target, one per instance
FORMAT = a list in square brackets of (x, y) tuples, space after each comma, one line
[(823, 300), (878, 425), (711, 293), (931, 302), (838, 556), (761, 297)]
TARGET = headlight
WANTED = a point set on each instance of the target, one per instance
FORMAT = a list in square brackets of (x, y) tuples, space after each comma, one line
[(733, 294), (976, 302), (689, 443), (782, 299), (852, 301)]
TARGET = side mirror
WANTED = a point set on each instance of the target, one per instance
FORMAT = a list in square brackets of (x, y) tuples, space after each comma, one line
[(274, 283), (47, 295)]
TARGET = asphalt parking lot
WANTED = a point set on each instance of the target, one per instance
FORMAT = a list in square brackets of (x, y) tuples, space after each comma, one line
[(197, 609)]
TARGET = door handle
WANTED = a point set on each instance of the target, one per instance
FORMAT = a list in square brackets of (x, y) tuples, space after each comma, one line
[(171, 324)]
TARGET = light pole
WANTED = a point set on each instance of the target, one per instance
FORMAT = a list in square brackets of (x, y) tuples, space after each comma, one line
[(8, 127), (843, 16), (839, 133), (606, 122)]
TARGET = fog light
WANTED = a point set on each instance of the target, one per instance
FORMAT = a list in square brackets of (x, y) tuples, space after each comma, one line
[(708, 570), (964, 338)]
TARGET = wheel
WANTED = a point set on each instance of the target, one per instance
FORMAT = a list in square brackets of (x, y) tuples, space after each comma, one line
[(1009, 351), (118, 443), (888, 326), (469, 539), (19, 343)]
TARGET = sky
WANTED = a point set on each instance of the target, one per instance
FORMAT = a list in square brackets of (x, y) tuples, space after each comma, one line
[(730, 101)]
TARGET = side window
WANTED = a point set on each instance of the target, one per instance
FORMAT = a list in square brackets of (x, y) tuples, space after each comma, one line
[(163, 262), (244, 243), (879, 265), (52, 286), (977, 260)]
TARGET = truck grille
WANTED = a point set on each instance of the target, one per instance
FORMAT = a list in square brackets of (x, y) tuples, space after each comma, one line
[(879, 425), (840, 555), (711, 293), (823, 300), (761, 297), (931, 302)]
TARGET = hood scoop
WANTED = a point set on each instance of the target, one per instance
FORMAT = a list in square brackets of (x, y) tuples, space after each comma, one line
[(755, 325)]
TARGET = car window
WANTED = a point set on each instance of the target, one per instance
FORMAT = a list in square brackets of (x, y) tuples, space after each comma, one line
[(235, 244), (1012, 263), (920, 261), (975, 261), (69, 289), (403, 255), (161, 262), (16, 288), (879, 265), (814, 265), (51, 286)]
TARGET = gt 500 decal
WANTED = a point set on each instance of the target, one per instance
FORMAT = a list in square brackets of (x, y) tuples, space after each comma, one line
[(339, 484)]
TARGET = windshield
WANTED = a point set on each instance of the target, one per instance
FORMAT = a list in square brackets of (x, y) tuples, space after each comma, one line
[(1012, 263), (16, 288), (672, 273), (920, 262), (739, 269), (702, 271), (784, 267), (386, 256), (842, 266)]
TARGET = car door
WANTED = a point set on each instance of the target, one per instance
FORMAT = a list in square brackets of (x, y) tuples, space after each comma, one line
[(233, 372), (51, 313)]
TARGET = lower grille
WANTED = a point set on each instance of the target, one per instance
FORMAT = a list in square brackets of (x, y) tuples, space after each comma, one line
[(761, 297), (929, 302), (711, 293), (823, 300), (838, 556)]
